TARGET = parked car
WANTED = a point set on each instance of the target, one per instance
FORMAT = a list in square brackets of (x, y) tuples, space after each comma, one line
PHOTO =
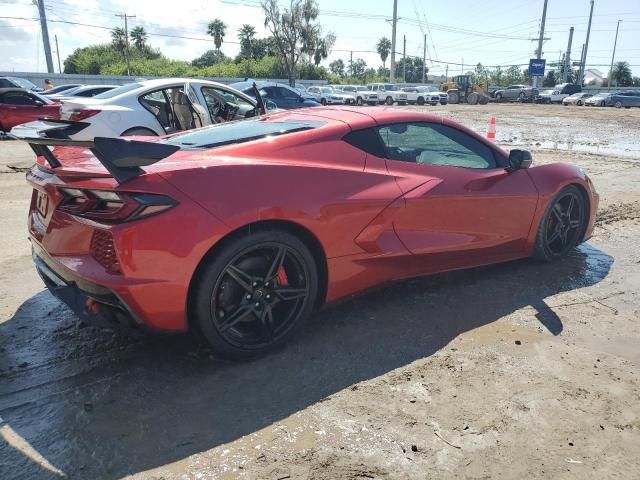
[(347, 97), (84, 91), (576, 99), (558, 93), (157, 107), (388, 93), (284, 213), (17, 82), (362, 94), (325, 95), (283, 96), (18, 105), (598, 100), (432, 95), (624, 99), (516, 92), (60, 88)]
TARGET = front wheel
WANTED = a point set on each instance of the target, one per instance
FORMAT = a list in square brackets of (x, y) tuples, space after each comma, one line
[(618, 104), (251, 295), (420, 101), (562, 226), (579, 103), (323, 101), (359, 101), (498, 96), (521, 96), (389, 101)]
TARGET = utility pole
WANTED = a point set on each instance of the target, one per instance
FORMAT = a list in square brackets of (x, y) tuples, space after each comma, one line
[(424, 59), (567, 58), (462, 67), (351, 63), (58, 53), (126, 38), (541, 39), (404, 58), (446, 74), (45, 35), (612, 56), (392, 69), (586, 47)]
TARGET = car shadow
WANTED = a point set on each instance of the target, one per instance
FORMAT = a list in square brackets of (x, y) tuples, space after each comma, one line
[(101, 404)]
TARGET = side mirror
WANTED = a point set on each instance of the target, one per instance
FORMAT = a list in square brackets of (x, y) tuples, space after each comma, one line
[(269, 105), (520, 159), (301, 99)]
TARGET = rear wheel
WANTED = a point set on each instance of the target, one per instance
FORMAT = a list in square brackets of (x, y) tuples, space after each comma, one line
[(453, 97), (472, 98), (562, 226), (323, 101), (420, 100), (521, 96), (254, 293), (483, 100), (389, 101), (139, 131), (359, 101), (618, 104), (498, 96)]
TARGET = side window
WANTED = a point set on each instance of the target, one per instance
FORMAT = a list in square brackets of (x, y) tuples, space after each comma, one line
[(434, 144), (18, 98), (4, 83), (288, 94), (224, 105), (157, 103), (272, 92)]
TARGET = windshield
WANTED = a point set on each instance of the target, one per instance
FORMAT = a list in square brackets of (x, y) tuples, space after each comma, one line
[(237, 132), (390, 87), (23, 83), (119, 91), (42, 98), (326, 90)]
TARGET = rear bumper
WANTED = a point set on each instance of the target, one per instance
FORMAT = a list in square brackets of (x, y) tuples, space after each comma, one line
[(94, 304)]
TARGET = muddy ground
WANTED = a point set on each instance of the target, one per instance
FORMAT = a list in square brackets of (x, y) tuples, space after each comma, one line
[(521, 370)]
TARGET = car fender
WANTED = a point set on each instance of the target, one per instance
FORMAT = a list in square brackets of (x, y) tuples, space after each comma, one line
[(549, 179)]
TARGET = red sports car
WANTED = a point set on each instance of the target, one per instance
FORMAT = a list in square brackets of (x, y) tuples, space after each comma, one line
[(241, 230), (18, 105)]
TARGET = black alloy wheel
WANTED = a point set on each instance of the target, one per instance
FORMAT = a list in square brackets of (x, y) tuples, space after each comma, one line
[(255, 293), (562, 226)]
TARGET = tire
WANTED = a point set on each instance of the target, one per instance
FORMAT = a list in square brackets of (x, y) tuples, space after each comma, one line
[(559, 231), (618, 104), (420, 101), (454, 97), (139, 131), (359, 101), (521, 97), (323, 101), (579, 103), (483, 100), (602, 103), (498, 96), (472, 98), (251, 279), (389, 101)]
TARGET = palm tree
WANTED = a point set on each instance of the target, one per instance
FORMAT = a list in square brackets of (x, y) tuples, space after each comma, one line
[(139, 37), (621, 74), (246, 34), (216, 29), (384, 48), (119, 40)]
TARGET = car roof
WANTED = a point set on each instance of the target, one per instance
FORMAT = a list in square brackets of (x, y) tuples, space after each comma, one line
[(13, 89)]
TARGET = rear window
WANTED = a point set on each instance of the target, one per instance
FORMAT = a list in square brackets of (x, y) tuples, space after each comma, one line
[(237, 132), (119, 91)]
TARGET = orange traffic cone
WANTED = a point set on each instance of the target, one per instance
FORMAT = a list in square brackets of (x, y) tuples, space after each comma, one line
[(491, 133)]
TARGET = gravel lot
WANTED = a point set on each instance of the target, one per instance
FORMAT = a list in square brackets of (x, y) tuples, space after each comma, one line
[(522, 370)]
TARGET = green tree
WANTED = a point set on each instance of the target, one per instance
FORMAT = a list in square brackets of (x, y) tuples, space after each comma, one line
[(294, 31), (208, 58), (496, 77), (139, 37), (337, 67), (217, 30), (383, 48), (636, 81), (246, 34), (621, 74), (323, 48), (119, 40), (550, 80), (513, 74), (413, 69), (357, 68)]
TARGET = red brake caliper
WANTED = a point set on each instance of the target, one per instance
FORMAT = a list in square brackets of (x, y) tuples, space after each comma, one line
[(281, 277)]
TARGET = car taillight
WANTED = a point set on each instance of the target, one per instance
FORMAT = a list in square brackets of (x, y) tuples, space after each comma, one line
[(77, 114), (112, 207)]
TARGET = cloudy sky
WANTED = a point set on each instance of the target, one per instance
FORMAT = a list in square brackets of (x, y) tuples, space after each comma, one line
[(494, 32)]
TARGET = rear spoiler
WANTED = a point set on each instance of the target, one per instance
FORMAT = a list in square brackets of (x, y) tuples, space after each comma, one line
[(120, 156)]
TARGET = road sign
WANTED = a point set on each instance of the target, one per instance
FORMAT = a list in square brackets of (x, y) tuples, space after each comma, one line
[(536, 67)]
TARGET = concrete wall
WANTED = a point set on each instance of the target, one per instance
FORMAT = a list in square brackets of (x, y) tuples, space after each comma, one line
[(61, 78)]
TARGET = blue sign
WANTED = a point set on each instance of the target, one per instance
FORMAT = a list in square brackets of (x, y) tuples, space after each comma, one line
[(536, 67)]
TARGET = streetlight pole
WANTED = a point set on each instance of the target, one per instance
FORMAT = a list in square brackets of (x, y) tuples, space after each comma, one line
[(613, 55), (541, 39), (586, 47), (392, 68)]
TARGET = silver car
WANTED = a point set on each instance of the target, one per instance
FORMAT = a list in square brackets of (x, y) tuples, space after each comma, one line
[(516, 92)]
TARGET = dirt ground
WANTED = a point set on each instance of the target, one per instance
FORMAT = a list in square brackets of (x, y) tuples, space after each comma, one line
[(521, 370)]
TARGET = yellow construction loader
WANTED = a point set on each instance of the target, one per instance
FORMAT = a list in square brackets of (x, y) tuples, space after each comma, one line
[(460, 89)]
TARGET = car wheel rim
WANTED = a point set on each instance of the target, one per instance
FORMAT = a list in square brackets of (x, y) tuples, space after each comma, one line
[(260, 295), (564, 223)]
